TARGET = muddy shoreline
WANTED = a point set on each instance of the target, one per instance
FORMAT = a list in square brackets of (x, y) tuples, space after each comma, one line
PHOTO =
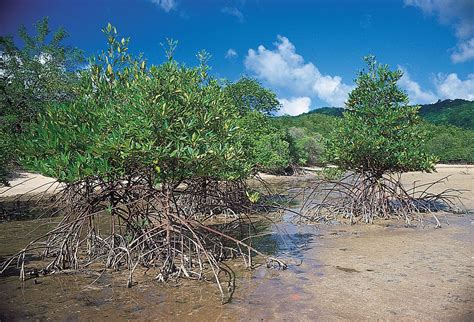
[(380, 271), (339, 272)]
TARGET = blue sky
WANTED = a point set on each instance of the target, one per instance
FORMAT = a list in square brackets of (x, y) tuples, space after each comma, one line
[(308, 52)]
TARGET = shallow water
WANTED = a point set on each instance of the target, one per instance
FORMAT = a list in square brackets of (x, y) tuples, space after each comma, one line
[(335, 272)]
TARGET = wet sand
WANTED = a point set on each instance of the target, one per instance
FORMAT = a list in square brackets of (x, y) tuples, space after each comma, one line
[(380, 271)]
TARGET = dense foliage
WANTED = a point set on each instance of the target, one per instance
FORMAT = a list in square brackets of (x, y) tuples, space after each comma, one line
[(450, 144), (265, 146), (170, 121), (379, 132), (459, 113), (305, 136), (39, 72), (250, 96)]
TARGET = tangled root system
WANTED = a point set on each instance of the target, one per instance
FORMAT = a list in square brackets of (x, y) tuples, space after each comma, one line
[(131, 223), (364, 198)]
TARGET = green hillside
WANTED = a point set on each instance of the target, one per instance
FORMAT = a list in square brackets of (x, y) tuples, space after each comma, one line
[(450, 124), (456, 112), (331, 111), (311, 122)]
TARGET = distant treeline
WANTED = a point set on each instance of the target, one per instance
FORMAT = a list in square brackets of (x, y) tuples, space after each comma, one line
[(450, 125)]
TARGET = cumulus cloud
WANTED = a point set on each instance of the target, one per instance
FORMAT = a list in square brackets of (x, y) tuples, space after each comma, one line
[(231, 53), (282, 67), (464, 51), (332, 90), (233, 12), (459, 14), (414, 91), (294, 105), (166, 5), (448, 86), (452, 87)]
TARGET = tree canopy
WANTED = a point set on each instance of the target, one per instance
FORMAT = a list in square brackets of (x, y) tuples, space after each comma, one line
[(31, 76), (379, 132), (172, 121)]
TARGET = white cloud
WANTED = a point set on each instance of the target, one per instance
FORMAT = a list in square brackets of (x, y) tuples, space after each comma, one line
[(414, 91), (446, 87), (284, 68), (233, 12), (166, 5), (231, 53), (464, 52), (294, 105), (450, 86), (459, 14), (332, 90)]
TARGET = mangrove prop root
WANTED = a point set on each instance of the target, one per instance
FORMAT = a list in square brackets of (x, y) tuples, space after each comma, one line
[(364, 198), (131, 223)]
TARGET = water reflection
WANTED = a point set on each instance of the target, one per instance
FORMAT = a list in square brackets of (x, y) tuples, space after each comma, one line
[(87, 296)]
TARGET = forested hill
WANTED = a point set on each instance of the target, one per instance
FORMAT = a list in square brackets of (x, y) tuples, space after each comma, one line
[(456, 112), (449, 122)]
